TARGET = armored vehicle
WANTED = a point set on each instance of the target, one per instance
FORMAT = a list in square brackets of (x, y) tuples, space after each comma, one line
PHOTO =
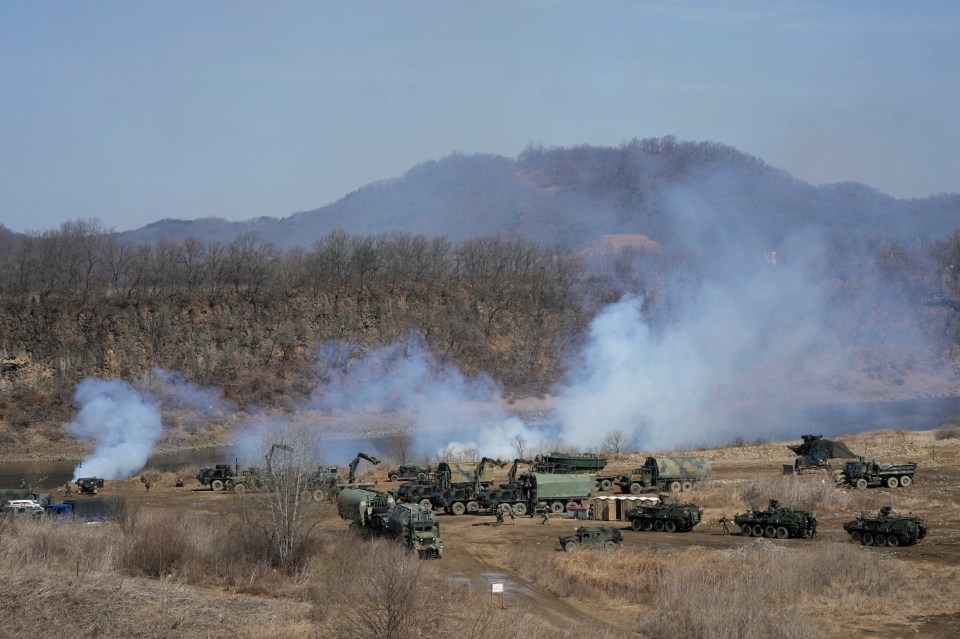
[(592, 537), (218, 477), (863, 474), (665, 517), (416, 492), (409, 471), (776, 521), (89, 485), (666, 473), (886, 529), (815, 452)]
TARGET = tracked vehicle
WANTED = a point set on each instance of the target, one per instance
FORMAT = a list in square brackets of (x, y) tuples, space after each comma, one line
[(886, 529), (776, 521), (664, 517)]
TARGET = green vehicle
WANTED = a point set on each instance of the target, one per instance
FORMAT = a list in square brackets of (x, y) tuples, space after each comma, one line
[(592, 537), (417, 528), (576, 464), (664, 517), (666, 473), (544, 491), (416, 492), (776, 521), (886, 529)]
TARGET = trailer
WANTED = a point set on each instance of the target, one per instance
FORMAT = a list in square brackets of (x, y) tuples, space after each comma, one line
[(580, 463)]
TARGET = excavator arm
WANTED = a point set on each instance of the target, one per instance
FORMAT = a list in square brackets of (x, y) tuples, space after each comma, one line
[(274, 449), (356, 462), (512, 474), (478, 472)]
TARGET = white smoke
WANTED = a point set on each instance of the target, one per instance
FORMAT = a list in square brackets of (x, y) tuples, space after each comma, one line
[(123, 423), (172, 390)]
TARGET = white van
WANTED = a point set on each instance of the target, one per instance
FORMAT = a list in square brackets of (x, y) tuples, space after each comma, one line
[(24, 507)]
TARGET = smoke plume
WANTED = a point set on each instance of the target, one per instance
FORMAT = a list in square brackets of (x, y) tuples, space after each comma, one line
[(123, 424)]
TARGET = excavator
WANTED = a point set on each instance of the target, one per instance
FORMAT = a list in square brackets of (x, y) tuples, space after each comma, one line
[(352, 468)]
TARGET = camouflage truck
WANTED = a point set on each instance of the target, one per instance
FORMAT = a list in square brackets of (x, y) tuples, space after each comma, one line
[(664, 517), (886, 529), (592, 537), (416, 492), (322, 483), (662, 473), (575, 464), (417, 528), (776, 521), (459, 497), (217, 477), (863, 474)]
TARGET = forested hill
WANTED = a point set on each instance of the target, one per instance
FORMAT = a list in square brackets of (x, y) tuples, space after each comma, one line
[(571, 196)]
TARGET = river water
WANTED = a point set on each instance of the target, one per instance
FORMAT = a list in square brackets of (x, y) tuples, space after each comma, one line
[(782, 422)]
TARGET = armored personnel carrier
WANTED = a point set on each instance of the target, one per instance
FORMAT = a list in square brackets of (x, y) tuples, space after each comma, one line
[(886, 529), (776, 521), (665, 517), (592, 537)]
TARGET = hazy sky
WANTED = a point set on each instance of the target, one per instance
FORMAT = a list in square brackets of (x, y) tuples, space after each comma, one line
[(135, 111)]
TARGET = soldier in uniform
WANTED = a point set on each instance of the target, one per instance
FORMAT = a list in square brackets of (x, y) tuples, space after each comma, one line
[(499, 516), (723, 521), (146, 483), (179, 483), (513, 518), (66, 488), (546, 518)]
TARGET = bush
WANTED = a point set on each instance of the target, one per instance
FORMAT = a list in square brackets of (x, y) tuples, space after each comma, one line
[(947, 431)]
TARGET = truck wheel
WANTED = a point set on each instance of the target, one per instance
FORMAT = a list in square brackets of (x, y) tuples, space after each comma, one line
[(861, 483), (658, 526), (670, 526), (571, 546), (394, 477), (906, 480), (519, 510), (770, 531), (216, 485), (556, 507), (757, 530), (675, 487), (319, 495), (426, 503), (572, 504), (866, 539), (457, 508), (635, 524), (542, 506), (782, 532), (746, 530), (880, 540), (610, 545), (687, 485), (239, 489), (422, 476), (606, 484), (636, 488), (893, 541), (892, 482), (473, 507), (855, 537), (646, 525)]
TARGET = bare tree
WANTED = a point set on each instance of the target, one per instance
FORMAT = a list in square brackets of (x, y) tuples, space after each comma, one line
[(615, 442), (399, 446), (519, 445)]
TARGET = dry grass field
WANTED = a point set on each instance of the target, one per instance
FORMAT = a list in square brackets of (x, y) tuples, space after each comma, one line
[(187, 563)]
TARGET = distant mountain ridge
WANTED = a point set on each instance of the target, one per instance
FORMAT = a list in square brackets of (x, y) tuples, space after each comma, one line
[(657, 187)]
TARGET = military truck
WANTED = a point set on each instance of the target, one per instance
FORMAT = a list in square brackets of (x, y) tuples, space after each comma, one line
[(544, 491), (322, 483), (886, 529), (89, 485), (417, 528), (661, 473), (376, 513), (217, 477), (816, 452), (577, 464), (592, 537), (664, 517), (8, 494), (409, 471), (862, 474), (416, 492), (776, 521), (508, 495), (462, 497)]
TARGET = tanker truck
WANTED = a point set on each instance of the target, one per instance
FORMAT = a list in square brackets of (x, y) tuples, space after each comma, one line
[(376, 513), (661, 473)]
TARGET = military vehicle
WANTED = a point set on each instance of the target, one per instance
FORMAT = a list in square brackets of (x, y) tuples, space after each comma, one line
[(508, 495), (672, 474), (409, 471), (886, 529), (776, 521), (416, 492), (377, 513), (218, 477), (323, 481), (863, 474), (462, 497), (27, 507), (8, 494), (576, 464), (664, 517), (816, 452), (544, 491), (417, 528), (592, 537), (89, 485)]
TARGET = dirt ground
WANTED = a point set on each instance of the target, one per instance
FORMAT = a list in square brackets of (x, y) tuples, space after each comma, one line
[(478, 552)]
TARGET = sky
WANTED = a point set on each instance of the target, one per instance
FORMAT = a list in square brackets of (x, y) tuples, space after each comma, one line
[(131, 112)]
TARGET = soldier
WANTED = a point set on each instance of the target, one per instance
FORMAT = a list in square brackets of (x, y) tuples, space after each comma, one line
[(146, 483), (179, 483), (723, 521), (499, 516), (546, 518), (590, 512), (513, 518), (66, 488), (774, 504), (885, 511)]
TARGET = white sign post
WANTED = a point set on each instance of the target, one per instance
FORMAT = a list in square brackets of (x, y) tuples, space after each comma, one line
[(495, 587)]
